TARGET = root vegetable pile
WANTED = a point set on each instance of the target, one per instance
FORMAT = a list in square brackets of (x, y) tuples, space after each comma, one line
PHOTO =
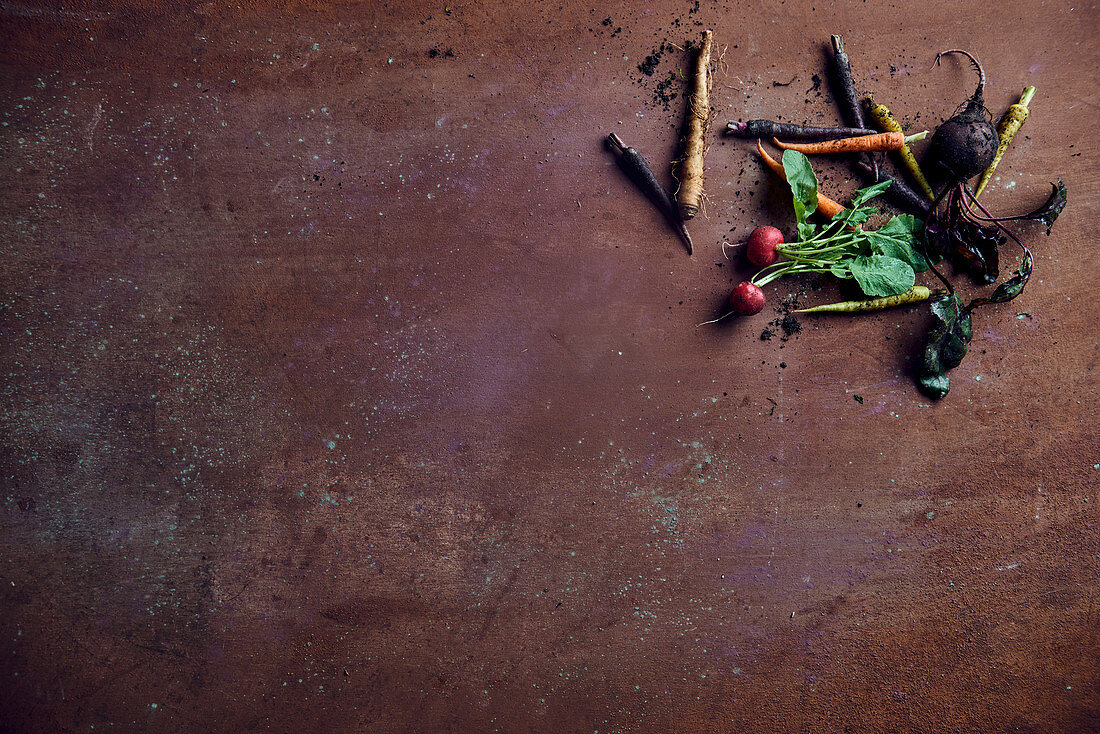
[(950, 224), (942, 219)]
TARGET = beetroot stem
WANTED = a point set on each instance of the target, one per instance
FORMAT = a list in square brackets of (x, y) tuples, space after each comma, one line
[(971, 199), (948, 193)]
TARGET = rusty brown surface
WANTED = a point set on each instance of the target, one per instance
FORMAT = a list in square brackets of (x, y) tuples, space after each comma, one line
[(348, 386)]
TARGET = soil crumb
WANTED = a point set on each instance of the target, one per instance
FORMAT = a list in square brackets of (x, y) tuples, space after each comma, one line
[(649, 66)]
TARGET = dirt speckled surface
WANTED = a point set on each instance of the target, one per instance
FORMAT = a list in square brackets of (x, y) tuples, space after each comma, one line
[(349, 386)]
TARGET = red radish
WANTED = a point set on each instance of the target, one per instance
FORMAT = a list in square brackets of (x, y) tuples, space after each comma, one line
[(746, 299), (760, 248)]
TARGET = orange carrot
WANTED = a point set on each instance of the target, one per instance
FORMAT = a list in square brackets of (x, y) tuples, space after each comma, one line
[(826, 207), (861, 144)]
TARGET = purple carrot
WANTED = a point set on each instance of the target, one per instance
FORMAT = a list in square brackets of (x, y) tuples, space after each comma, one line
[(788, 131), (635, 166)]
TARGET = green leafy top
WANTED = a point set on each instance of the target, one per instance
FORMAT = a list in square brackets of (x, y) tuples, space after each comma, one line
[(883, 262), (803, 183)]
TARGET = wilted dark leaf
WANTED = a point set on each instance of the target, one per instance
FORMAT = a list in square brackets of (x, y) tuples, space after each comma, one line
[(974, 248), (945, 346), (1010, 288), (1052, 207)]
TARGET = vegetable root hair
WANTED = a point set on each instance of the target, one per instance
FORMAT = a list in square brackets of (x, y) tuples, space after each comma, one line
[(689, 195)]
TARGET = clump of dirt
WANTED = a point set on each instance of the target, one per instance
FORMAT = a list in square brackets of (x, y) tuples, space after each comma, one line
[(663, 94), (790, 326), (649, 66), (608, 23), (786, 322)]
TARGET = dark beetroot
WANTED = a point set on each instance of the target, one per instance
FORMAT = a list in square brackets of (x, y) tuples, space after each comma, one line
[(760, 247), (965, 145), (746, 299)]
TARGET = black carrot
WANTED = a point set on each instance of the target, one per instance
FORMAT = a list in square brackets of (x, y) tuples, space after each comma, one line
[(635, 166), (789, 131), (845, 86), (900, 193)]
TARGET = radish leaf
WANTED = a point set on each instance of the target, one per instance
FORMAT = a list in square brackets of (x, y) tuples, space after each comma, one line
[(897, 238), (882, 275), (800, 175)]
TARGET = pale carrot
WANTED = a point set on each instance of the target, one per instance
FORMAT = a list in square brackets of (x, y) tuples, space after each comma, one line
[(914, 295), (689, 197), (886, 122), (1010, 124)]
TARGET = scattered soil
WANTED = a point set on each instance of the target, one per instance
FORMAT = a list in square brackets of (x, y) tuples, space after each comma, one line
[(786, 323), (649, 66)]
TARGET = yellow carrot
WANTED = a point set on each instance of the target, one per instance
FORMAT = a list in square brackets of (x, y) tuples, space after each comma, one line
[(885, 121), (826, 207), (1014, 119), (860, 144), (913, 295), (689, 197)]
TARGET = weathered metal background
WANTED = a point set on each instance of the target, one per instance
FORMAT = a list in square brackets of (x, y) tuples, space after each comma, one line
[(348, 386)]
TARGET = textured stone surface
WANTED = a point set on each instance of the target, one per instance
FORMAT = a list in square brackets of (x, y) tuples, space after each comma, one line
[(348, 386)]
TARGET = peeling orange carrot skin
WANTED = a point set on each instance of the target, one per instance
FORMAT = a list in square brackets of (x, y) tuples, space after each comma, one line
[(861, 144), (826, 207)]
